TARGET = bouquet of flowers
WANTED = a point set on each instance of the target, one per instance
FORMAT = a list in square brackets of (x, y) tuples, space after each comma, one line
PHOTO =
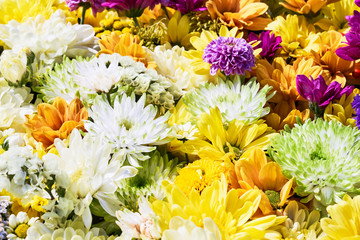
[(179, 119)]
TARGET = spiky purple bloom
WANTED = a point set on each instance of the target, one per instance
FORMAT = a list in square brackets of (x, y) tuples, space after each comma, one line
[(94, 4), (186, 6), (316, 91), (269, 43), (352, 51), (356, 106), (133, 8), (229, 54)]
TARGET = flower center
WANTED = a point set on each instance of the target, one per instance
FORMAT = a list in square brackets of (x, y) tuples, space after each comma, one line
[(274, 198), (21, 230)]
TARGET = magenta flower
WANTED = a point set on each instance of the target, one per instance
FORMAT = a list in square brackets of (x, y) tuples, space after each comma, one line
[(186, 6), (229, 54), (269, 43), (132, 8), (356, 106), (94, 4), (317, 92), (357, 2)]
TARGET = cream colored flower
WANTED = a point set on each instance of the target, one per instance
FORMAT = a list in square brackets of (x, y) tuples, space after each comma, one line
[(13, 65)]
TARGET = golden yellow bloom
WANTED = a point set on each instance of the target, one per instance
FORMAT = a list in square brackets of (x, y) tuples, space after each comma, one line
[(344, 223), (154, 14), (282, 76), (32, 209), (228, 142), (200, 43), (256, 171), (201, 173), (335, 68), (276, 122), (341, 110), (305, 7), (126, 45), (56, 120), (95, 21), (295, 33), (336, 13), (179, 30), (230, 212), (244, 14), (21, 10)]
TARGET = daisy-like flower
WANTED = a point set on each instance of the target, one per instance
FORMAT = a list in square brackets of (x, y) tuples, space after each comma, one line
[(147, 182), (227, 142), (305, 7), (87, 176), (56, 120), (180, 229), (344, 222), (49, 39), (18, 226), (301, 224), (235, 100), (256, 171), (217, 203), (313, 153), (241, 14), (142, 224), (129, 126), (230, 55), (201, 173), (269, 43)]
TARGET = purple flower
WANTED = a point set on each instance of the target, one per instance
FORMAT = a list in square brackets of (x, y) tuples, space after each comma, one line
[(186, 6), (356, 106), (94, 4), (357, 2), (231, 55), (316, 91), (132, 8), (269, 43)]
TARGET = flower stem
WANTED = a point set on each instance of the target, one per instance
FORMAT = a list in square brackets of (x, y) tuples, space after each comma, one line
[(83, 14), (136, 21), (166, 12)]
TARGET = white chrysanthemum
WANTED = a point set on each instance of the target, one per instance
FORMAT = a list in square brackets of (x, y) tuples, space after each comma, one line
[(98, 74), (244, 102), (18, 226), (140, 224), (129, 126), (21, 173), (180, 229), (86, 170), (172, 64), (13, 65), (14, 105), (50, 39)]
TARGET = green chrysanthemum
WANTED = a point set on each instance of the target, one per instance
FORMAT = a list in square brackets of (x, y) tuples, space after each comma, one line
[(148, 180), (235, 100), (323, 156)]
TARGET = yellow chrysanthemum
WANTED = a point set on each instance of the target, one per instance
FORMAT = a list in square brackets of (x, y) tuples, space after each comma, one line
[(200, 174), (179, 30), (282, 76), (323, 51), (21, 10), (304, 6), (295, 33), (341, 110), (278, 120), (335, 15), (255, 171), (95, 21), (230, 212), (227, 142), (200, 43), (344, 223), (244, 14)]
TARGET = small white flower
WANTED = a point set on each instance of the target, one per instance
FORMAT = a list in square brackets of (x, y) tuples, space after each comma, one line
[(13, 65), (18, 226), (141, 224), (186, 131), (129, 126)]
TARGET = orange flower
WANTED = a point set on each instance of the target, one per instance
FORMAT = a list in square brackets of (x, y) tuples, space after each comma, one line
[(56, 120), (244, 14), (126, 45), (304, 6), (282, 76), (256, 171)]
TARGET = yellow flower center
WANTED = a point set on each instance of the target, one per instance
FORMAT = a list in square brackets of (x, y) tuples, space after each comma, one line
[(21, 230)]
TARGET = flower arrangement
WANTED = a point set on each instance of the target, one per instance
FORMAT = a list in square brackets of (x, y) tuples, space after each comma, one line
[(179, 119)]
